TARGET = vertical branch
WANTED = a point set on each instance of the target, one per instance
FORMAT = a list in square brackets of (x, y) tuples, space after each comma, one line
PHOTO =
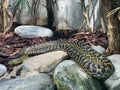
[(5, 15), (103, 19), (49, 12), (37, 9), (113, 26), (9, 17), (3, 7), (85, 13), (34, 11), (92, 14)]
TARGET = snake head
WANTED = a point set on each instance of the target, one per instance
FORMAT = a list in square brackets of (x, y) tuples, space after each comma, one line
[(19, 58), (104, 71)]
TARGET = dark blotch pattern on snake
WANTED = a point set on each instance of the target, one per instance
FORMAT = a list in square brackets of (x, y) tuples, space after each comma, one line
[(93, 63)]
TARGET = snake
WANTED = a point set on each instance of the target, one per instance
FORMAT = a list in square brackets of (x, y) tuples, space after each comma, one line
[(93, 63)]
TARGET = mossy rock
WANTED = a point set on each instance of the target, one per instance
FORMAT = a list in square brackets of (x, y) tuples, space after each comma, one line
[(69, 76)]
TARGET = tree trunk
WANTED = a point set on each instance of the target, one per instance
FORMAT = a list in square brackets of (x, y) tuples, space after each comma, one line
[(113, 26), (50, 13)]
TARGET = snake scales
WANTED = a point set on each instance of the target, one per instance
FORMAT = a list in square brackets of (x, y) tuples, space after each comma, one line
[(94, 63)]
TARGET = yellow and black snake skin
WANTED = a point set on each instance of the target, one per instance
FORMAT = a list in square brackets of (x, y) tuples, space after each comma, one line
[(94, 63)]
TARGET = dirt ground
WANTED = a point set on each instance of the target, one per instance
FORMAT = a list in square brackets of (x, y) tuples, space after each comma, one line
[(10, 43)]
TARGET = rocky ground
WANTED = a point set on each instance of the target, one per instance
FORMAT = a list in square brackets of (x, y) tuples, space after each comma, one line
[(48, 72)]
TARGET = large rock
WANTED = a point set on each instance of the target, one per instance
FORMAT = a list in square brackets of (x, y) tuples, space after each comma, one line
[(43, 63), (3, 69), (30, 31), (69, 76), (36, 82), (113, 83)]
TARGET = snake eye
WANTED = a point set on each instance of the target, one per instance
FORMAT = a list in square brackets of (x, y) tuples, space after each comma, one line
[(94, 70), (103, 70)]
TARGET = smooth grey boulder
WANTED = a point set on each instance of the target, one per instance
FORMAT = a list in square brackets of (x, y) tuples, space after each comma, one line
[(113, 83), (30, 31), (3, 69), (35, 82), (42, 63), (69, 76)]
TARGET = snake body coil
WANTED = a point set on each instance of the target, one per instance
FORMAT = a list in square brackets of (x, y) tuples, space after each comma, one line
[(94, 63)]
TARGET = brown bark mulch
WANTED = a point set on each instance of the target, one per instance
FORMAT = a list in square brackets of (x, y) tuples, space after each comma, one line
[(10, 43)]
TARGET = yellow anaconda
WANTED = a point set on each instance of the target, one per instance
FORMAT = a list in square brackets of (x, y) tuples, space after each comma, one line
[(94, 63)]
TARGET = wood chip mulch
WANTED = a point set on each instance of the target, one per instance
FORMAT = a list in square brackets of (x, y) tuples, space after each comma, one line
[(10, 43)]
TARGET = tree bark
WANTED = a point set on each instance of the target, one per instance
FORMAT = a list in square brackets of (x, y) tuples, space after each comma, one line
[(113, 26), (50, 13)]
